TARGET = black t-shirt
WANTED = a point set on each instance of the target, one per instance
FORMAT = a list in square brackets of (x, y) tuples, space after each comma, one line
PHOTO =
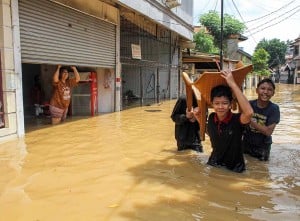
[(226, 144), (263, 116), (186, 132)]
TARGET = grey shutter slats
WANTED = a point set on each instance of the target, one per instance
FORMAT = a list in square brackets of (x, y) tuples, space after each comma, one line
[(55, 34)]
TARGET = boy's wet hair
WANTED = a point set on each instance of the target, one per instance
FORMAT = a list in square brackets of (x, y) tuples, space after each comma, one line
[(266, 80), (221, 91), (183, 97)]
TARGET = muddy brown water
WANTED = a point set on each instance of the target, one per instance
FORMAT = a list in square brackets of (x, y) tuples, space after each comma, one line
[(124, 166)]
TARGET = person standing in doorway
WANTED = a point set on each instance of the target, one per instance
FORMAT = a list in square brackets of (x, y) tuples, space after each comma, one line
[(37, 96), (61, 97), (225, 128), (186, 126), (257, 139)]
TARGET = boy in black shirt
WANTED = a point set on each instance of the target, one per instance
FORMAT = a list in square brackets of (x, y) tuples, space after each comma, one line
[(257, 139), (225, 128)]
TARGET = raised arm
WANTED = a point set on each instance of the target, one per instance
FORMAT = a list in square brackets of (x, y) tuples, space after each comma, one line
[(77, 76), (56, 74), (246, 109)]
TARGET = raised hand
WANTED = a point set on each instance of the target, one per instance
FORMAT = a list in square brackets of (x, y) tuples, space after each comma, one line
[(227, 75)]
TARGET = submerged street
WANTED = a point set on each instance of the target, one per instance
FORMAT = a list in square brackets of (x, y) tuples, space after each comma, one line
[(125, 166)]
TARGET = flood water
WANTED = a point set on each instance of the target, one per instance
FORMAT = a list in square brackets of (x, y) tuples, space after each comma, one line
[(124, 166)]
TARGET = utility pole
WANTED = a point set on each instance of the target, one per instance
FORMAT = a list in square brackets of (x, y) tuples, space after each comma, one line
[(221, 41)]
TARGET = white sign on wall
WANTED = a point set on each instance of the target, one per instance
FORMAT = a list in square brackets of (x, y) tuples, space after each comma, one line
[(136, 51)]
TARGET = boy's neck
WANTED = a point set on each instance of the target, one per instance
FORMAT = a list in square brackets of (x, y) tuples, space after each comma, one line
[(225, 117), (262, 104)]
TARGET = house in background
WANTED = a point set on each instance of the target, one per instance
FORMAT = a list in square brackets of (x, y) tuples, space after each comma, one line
[(296, 60), (287, 72), (197, 62), (290, 71), (243, 56), (233, 51)]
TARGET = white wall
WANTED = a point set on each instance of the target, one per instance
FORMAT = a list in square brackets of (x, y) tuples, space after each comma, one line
[(106, 90), (11, 73), (165, 16)]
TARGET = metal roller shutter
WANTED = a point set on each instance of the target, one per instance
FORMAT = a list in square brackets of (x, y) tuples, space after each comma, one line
[(54, 34)]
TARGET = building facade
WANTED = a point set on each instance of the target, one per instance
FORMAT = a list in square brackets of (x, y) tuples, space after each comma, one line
[(296, 60), (151, 37), (127, 46)]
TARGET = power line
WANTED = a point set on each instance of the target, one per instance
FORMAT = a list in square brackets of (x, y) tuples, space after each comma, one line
[(205, 5), (217, 1), (270, 13), (236, 8), (289, 15), (228, 4), (276, 22), (203, 9)]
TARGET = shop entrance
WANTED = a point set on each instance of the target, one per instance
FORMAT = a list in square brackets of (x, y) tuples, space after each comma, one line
[(37, 92)]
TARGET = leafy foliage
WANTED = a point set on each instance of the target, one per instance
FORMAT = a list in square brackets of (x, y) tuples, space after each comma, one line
[(260, 60), (231, 26), (205, 42), (276, 50)]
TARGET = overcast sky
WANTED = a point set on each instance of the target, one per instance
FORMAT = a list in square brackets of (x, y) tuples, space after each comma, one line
[(272, 18)]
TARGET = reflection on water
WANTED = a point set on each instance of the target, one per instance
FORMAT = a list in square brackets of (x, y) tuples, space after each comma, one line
[(124, 166)]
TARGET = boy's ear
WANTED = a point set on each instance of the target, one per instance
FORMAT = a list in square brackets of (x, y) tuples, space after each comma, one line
[(233, 105)]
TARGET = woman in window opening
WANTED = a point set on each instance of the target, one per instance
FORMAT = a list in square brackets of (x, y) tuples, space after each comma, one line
[(62, 89)]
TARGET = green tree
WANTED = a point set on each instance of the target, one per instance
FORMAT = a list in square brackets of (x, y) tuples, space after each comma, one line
[(205, 42), (276, 50), (260, 60), (231, 26)]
